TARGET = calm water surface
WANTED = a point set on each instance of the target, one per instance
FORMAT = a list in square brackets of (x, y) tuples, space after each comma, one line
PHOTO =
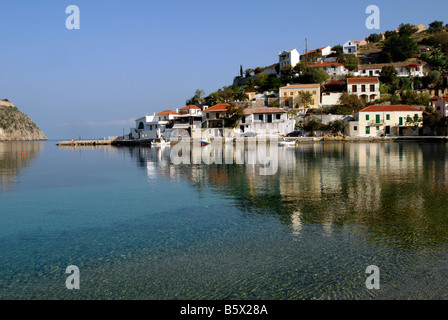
[(140, 227)]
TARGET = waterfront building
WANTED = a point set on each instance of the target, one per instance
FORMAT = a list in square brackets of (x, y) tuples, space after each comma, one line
[(387, 120), (153, 127), (265, 121)]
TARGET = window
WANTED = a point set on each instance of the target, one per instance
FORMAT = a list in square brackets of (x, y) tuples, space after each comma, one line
[(367, 117), (378, 118), (277, 116), (377, 128), (260, 117), (314, 92), (400, 121), (387, 116), (355, 128), (355, 88), (291, 93), (217, 115), (367, 130), (150, 127), (285, 94), (372, 88), (208, 115), (363, 88)]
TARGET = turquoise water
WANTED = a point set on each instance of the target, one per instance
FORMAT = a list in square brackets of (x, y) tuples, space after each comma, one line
[(140, 227)]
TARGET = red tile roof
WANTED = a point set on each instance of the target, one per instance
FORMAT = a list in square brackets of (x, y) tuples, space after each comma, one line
[(167, 112), (389, 108), (249, 111), (362, 80), (222, 107), (190, 107)]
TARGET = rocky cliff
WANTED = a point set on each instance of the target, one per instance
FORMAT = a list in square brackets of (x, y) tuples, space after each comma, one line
[(16, 126)]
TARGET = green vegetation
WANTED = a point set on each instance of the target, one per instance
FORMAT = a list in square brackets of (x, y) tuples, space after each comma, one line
[(17, 126)]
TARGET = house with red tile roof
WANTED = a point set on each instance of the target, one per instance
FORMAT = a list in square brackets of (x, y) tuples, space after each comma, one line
[(386, 120), (367, 88), (153, 127), (265, 121)]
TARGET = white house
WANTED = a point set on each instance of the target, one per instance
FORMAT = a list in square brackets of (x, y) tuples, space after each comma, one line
[(385, 120), (350, 47), (332, 68), (413, 70), (367, 88), (441, 106), (289, 58), (265, 121), (153, 127)]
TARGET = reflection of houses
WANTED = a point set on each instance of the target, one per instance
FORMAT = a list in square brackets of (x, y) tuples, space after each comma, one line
[(263, 121), (367, 89), (153, 127), (384, 120), (290, 95)]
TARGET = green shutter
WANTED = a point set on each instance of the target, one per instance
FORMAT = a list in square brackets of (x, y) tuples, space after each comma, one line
[(400, 121), (367, 117), (367, 130), (378, 118), (387, 116)]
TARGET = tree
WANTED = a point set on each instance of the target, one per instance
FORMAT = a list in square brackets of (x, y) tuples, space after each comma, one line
[(407, 29), (338, 49), (435, 26), (388, 75), (337, 126), (313, 75), (433, 77), (241, 70), (375, 37), (249, 72), (234, 114), (399, 47), (414, 122), (312, 125), (305, 99), (351, 101), (350, 61)]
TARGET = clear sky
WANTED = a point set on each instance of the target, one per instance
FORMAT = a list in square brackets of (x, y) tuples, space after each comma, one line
[(136, 57)]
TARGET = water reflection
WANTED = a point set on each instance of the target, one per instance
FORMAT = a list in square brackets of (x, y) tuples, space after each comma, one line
[(396, 191), (14, 156)]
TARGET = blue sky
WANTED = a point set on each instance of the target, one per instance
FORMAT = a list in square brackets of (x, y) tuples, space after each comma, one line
[(132, 58)]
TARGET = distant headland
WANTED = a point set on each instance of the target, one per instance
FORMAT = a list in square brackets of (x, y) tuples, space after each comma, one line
[(16, 126)]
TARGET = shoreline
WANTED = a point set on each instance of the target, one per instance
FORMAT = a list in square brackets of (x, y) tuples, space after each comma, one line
[(431, 139)]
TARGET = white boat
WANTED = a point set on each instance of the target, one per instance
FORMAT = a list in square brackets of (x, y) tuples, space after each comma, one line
[(287, 144), (160, 143)]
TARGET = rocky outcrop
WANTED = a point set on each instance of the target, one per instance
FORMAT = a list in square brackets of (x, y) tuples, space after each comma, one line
[(16, 126)]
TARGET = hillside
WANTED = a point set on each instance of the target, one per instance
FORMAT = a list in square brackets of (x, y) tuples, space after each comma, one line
[(16, 126)]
